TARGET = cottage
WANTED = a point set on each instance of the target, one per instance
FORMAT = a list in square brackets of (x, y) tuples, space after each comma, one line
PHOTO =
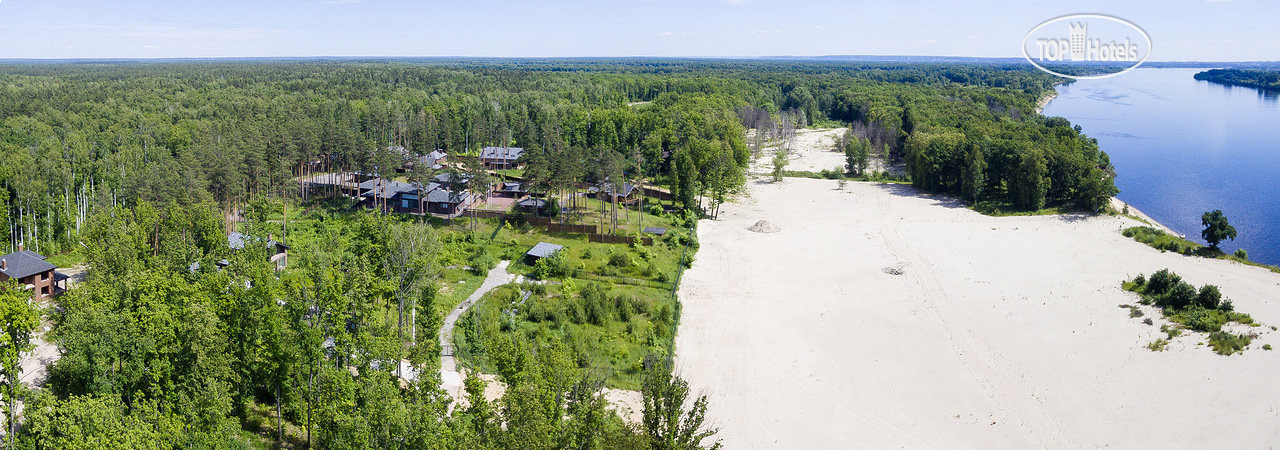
[(435, 160), (447, 179), (532, 205), (392, 195), (541, 250), (499, 158), (510, 189), (626, 194), (33, 272), (446, 202)]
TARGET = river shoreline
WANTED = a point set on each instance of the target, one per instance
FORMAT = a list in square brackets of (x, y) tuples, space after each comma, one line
[(1044, 101)]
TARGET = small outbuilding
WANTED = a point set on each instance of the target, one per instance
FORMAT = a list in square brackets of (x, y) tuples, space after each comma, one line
[(658, 231), (542, 250), (532, 205)]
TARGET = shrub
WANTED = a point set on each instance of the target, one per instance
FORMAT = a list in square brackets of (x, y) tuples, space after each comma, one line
[(1200, 319), (480, 262), (1161, 282), (619, 260), (553, 266), (1139, 281), (1210, 297), (1182, 295), (1240, 253), (1224, 343), (1266, 346), (1158, 345)]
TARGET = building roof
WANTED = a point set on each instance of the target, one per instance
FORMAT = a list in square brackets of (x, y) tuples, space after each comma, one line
[(444, 178), (388, 188), (655, 230), (236, 239), (398, 150), (432, 159), (442, 195), (532, 203), (544, 249), (507, 153), (606, 187), (25, 263), (512, 186)]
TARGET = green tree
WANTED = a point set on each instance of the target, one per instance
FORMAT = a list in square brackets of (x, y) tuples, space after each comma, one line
[(857, 151), (666, 422), (20, 320), (779, 164), (1029, 183), (975, 173), (1216, 228)]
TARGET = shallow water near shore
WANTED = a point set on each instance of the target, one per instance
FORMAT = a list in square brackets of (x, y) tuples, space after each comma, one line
[(1182, 147)]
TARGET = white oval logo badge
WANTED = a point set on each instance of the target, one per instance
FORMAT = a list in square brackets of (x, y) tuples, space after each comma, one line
[(1086, 46)]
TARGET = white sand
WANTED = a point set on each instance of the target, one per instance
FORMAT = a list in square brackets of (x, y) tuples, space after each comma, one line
[(813, 150), (999, 332)]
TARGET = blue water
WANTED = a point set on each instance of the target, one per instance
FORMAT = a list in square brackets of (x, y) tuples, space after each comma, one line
[(1182, 147)]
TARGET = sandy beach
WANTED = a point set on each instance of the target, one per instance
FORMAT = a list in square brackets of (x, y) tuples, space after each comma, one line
[(1044, 101), (995, 332)]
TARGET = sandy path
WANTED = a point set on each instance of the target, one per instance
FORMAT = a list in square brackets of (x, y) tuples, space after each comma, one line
[(450, 376), (1000, 332)]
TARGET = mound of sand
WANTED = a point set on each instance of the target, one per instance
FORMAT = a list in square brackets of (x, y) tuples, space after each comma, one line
[(763, 226)]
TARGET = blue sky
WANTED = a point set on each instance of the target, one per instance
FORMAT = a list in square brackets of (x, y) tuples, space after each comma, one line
[(1182, 30)]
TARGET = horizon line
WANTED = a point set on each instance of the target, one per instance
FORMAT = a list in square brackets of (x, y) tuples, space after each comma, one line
[(722, 57)]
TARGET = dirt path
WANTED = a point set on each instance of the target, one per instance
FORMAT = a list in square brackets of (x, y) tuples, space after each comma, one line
[(450, 376)]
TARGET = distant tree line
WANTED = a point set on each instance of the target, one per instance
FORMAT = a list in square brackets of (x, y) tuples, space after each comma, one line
[(80, 137), (1266, 80)]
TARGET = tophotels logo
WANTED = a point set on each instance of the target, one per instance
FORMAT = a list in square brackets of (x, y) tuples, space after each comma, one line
[(1084, 46)]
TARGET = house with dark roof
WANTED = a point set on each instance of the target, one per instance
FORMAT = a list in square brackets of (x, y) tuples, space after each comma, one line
[(626, 193), (498, 158), (435, 160), (541, 250), (445, 179), (532, 205), (510, 189), (446, 202), (33, 273), (392, 195)]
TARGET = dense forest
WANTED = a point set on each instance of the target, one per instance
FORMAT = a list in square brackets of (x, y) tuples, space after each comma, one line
[(1266, 80), (135, 170), (78, 137)]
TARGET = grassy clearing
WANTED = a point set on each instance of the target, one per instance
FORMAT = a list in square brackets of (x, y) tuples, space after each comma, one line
[(1203, 310), (612, 306), (1165, 242)]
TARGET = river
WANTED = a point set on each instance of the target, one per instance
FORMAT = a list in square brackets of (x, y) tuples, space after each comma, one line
[(1182, 147)]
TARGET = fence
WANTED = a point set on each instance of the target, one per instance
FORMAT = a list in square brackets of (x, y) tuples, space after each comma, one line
[(570, 228), (618, 239), (485, 213)]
